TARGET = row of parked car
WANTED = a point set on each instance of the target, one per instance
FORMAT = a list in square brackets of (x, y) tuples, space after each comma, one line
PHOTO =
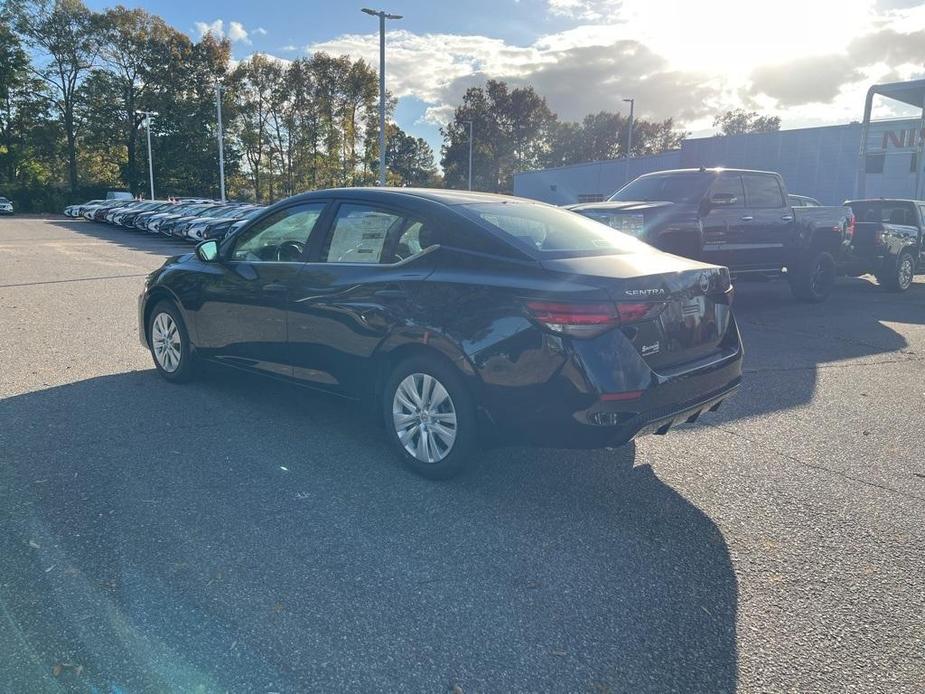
[(191, 219)]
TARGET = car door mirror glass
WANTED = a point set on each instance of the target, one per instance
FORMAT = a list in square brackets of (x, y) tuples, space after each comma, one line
[(207, 251)]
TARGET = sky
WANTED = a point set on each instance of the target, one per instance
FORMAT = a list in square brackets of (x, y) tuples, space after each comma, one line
[(808, 61)]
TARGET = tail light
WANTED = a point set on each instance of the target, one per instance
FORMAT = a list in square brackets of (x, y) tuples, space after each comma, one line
[(589, 320), (878, 237), (849, 229)]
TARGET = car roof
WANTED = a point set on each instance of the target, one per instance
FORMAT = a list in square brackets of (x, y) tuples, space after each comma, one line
[(385, 194), (712, 170), (909, 200)]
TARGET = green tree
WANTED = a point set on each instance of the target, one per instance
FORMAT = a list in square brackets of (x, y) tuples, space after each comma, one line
[(513, 130), (63, 35), (255, 82), (603, 135), (410, 159), (739, 121), (138, 53)]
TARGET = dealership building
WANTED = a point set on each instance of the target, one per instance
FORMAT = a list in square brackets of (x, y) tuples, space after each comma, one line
[(827, 163)]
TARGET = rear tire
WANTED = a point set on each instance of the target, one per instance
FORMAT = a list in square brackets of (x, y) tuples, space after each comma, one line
[(170, 344), (899, 276), (813, 280), (429, 417)]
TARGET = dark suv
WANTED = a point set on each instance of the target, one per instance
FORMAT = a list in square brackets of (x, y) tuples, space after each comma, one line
[(887, 241)]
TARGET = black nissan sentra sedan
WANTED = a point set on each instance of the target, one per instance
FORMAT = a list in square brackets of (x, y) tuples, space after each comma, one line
[(466, 317)]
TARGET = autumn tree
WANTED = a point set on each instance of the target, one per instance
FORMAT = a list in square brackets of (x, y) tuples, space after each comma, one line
[(739, 122)]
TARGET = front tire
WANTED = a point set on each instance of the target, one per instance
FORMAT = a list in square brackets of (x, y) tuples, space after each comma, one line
[(899, 277), (812, 281), (170, 344), (430, 417)]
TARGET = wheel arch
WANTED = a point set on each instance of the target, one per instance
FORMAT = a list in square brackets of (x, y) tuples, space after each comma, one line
[(155, 296), (397, 348)]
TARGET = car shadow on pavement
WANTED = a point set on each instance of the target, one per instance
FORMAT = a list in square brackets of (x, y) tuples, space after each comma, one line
[(135, 239), (787, 343), (240, 535)]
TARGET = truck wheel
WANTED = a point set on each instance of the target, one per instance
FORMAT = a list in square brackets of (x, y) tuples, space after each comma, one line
[(899, 277), (813, 279)]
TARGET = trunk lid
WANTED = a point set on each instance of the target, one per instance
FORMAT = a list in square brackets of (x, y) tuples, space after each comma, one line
[(694, 300)]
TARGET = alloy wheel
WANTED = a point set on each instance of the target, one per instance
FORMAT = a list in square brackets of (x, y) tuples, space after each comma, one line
[(905, 271), (424, 417), (165, 341)]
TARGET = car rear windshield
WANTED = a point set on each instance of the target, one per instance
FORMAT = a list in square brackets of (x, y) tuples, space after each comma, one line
[(885, 211), (673, 187), (549, 231)]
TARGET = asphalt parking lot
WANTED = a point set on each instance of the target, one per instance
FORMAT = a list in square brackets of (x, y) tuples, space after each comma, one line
[(242, 536)]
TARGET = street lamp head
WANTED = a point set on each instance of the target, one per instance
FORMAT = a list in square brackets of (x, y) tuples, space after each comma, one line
[(381, 13), (629, 101)]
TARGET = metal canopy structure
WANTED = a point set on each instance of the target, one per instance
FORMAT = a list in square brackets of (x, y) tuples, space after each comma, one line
[(911, 93)]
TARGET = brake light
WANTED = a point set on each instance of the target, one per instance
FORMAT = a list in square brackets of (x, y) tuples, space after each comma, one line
[(630, 313), (849, 230), (591, 319)]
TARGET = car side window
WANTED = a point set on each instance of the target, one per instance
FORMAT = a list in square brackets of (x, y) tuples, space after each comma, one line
[(762, 191), (922, 213), (280, 237), (359, 234), (729, 184), (410, 242)]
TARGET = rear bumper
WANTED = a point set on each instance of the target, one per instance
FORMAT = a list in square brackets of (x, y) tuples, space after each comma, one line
[(569, 411)]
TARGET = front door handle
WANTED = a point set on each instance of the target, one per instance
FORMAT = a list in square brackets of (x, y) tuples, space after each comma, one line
[(787, 218), (747, 218), (275, 287)]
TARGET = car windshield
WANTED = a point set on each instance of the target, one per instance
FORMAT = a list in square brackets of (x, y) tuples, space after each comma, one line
[(672, 187), (551, 231)]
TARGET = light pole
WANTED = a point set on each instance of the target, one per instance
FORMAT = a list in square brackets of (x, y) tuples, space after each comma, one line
[(148, 116), (470, 153), (221, 144), (382, 17), (629, 129)]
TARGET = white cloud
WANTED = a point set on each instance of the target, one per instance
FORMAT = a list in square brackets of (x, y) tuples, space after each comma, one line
[(236, 32), (260, 31), (584, 9), (675, 57), (216, 28)]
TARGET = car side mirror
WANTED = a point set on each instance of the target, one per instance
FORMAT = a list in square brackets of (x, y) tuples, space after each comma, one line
[(207, 251), (723, 200)]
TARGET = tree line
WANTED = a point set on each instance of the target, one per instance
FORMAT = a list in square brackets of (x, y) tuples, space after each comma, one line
[(73, 81)]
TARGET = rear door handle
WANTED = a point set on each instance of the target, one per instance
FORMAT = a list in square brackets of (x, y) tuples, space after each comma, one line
[(275, 287), (747, 218)]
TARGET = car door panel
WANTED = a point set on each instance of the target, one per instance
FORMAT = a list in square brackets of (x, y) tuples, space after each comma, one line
[(339, 316), (722, 226), (242, 319), (341, 311), (766, 225)]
